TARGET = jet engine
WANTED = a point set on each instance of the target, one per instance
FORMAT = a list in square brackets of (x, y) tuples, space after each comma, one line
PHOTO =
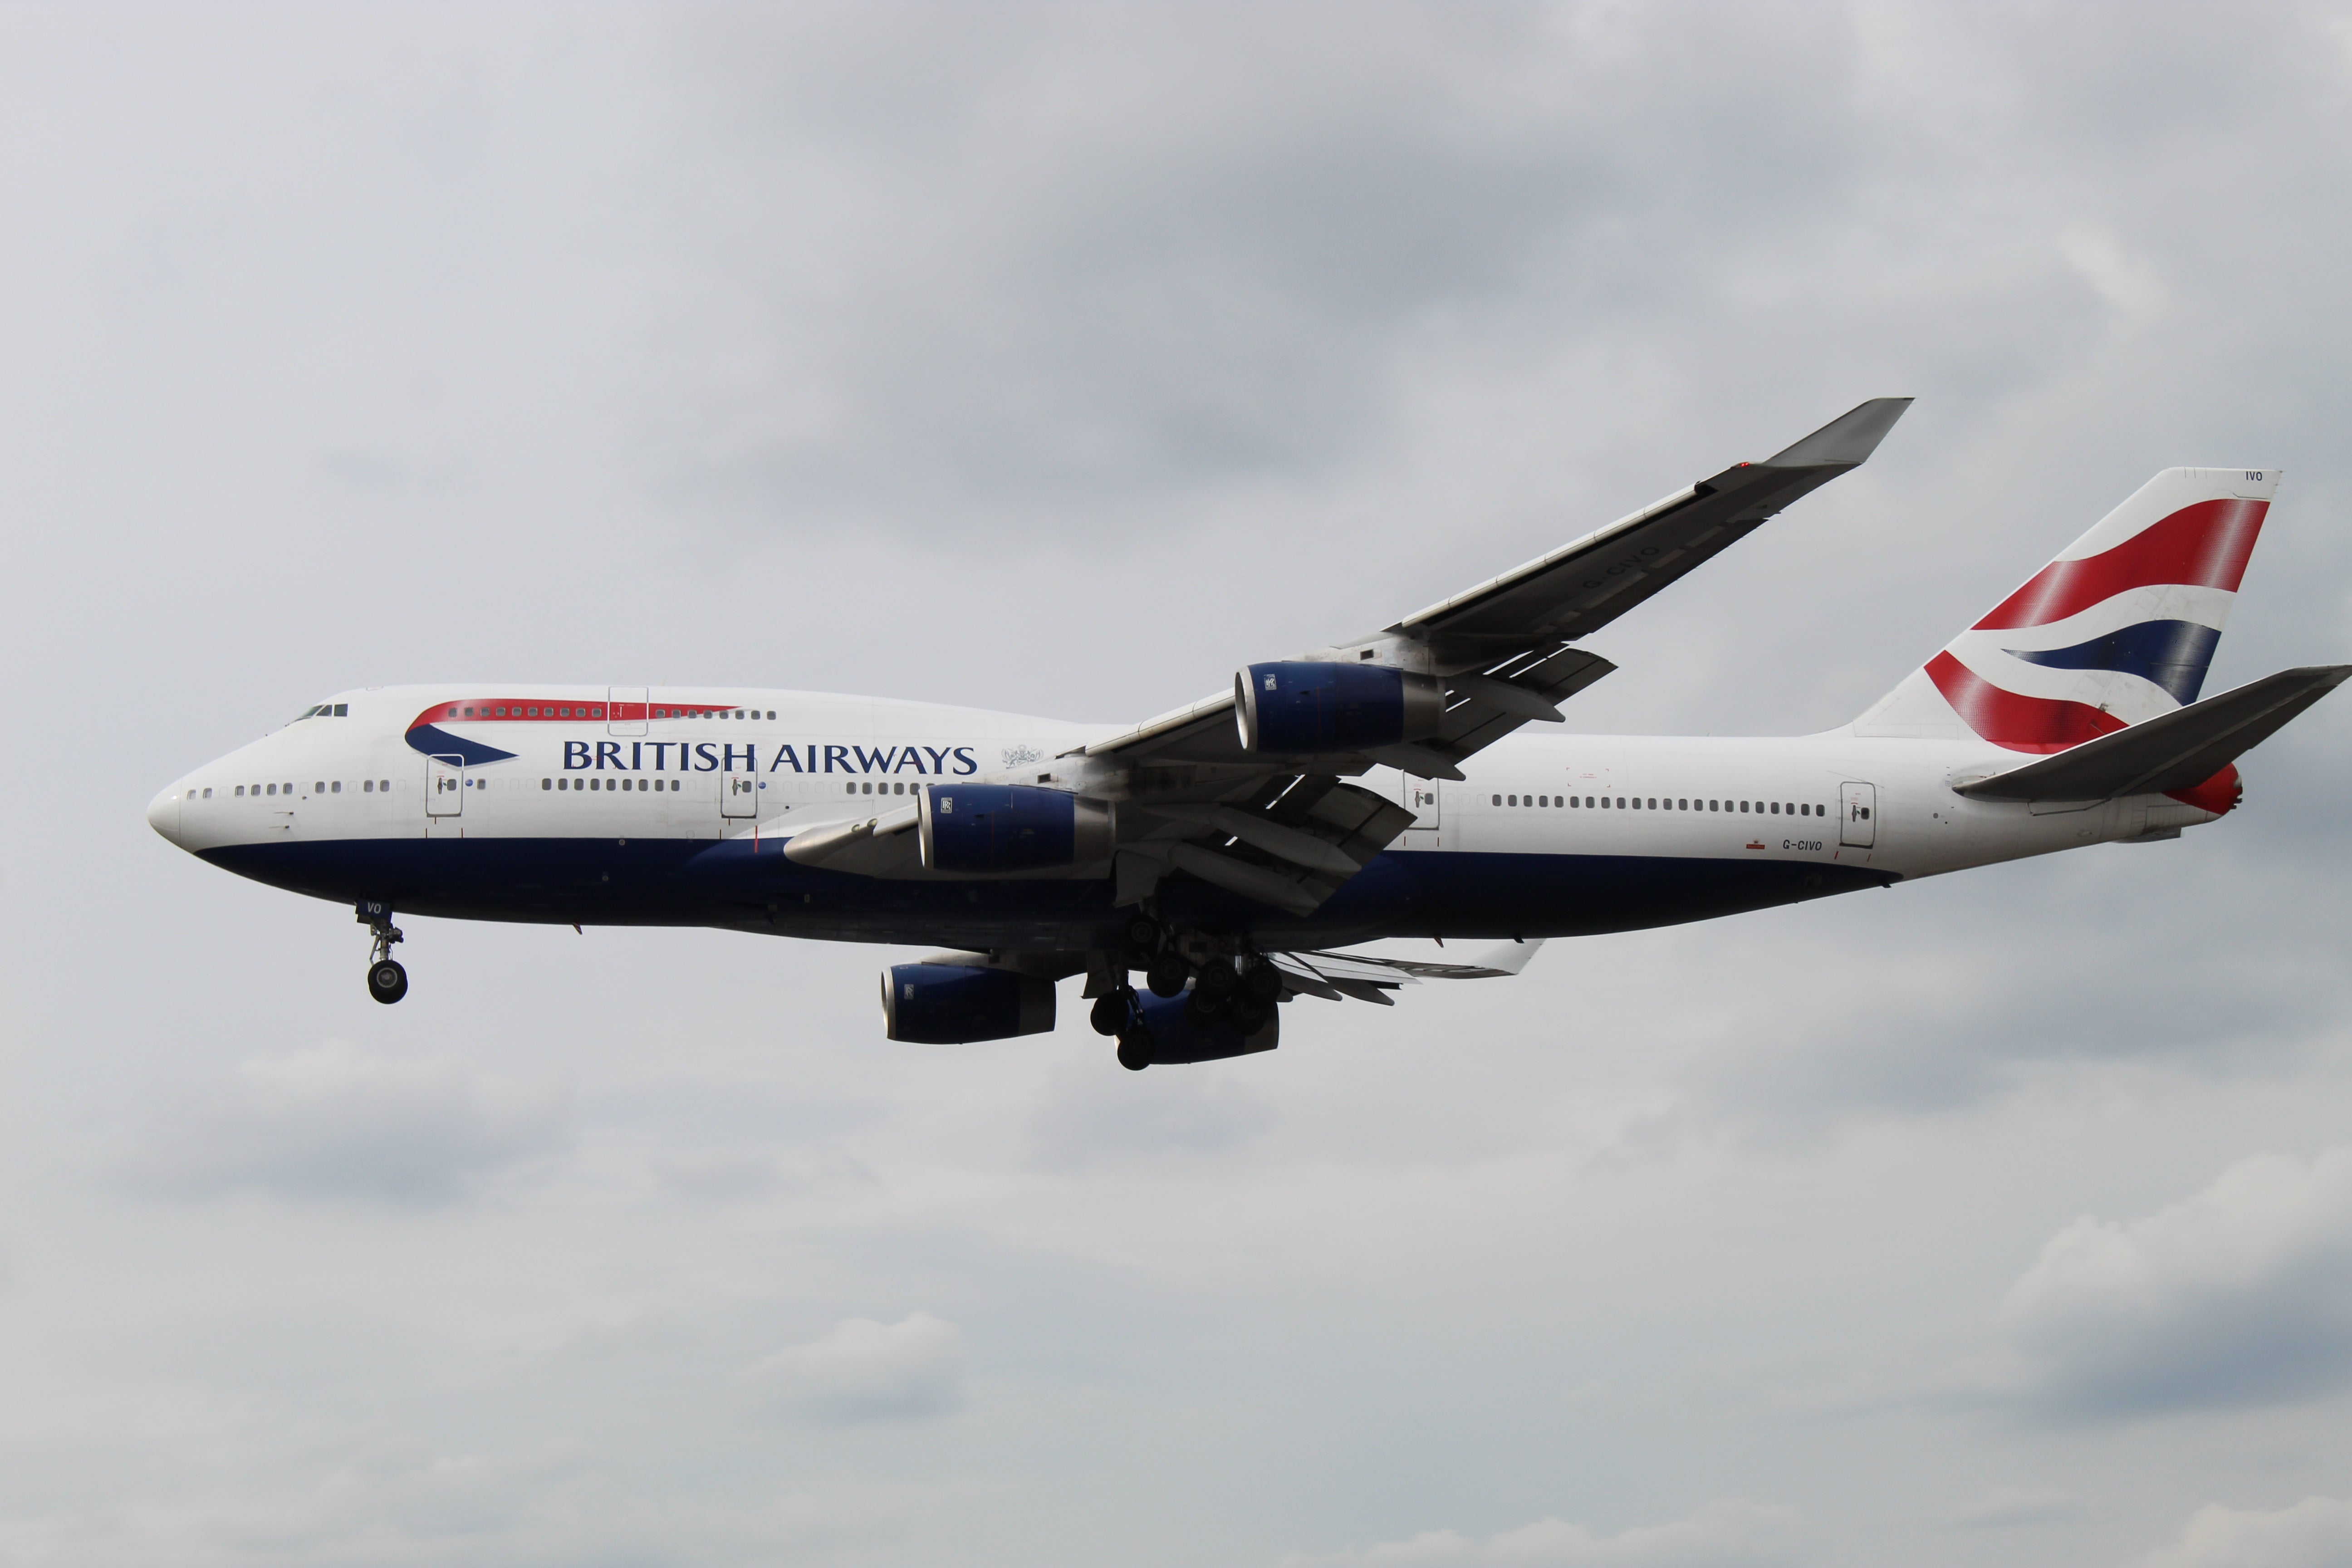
[(947, 1004), (1001, 828), (1304, 706)]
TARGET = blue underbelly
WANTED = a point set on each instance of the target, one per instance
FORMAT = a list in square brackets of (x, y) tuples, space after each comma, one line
[(694, 882)]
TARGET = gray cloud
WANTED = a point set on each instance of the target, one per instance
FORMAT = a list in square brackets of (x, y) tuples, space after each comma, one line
[(335, 1122), (1083, 1116), (864, 1370), (1729, 1533), (2240, 1296), (2004, 1507)]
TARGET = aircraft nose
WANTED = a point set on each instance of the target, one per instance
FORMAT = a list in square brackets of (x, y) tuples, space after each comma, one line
[(164, 814)]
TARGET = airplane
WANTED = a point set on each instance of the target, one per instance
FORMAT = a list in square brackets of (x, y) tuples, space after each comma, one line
[(1415, 782)]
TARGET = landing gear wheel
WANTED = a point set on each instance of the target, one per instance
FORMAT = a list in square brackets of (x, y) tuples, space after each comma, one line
[(1217, 980), (1110, 1013), (387, 981), (1135, 1050), (1167, 974), (1246, 1017), (1203, 1012), (1262, 984)]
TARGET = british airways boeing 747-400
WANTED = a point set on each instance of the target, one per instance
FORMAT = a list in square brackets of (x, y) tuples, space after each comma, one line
[(1389, 785)]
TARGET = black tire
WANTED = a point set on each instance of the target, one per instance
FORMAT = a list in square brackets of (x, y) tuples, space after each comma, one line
[(1216, 979), (1167, 974), (1262, 984), (387, 982), (1110, 1015), (1142, 935), (1246, 1016), (1135, 1050), (1203, 1012)]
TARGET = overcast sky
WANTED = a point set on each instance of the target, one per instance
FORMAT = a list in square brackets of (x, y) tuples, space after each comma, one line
[(1058, 359)]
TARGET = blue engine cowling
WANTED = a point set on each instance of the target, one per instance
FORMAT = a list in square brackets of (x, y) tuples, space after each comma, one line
[(1306, 706), (1174, 1040), (947, 1004), (999, 829)]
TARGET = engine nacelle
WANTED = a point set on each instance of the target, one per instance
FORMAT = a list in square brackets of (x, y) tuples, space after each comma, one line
[(947, 1004), (1001, 828), (1175, 1041), (1305, 705)]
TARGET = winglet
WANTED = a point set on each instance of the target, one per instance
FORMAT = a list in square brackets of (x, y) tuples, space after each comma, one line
[(1846, 441)]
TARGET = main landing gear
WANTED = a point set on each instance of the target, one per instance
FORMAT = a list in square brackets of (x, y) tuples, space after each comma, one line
[(1221, 992), (387, 982)]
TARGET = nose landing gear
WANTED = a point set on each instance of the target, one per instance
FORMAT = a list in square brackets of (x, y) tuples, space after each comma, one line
[(387, 982)]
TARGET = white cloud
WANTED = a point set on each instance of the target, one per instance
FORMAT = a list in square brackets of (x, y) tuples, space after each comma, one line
[(2314, 1533), (335, 1122), (862, 1370), (1729, 1533), (2241, 1295)]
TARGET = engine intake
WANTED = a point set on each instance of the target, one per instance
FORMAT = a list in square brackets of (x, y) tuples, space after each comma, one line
[(1002, 828), (1305, 706), (948, 1005)]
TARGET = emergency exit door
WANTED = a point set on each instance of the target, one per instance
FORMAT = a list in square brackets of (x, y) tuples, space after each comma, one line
[(1858, 804), (444, 787)]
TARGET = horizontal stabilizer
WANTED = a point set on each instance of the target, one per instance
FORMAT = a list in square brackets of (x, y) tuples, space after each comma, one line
[(2174, 750)]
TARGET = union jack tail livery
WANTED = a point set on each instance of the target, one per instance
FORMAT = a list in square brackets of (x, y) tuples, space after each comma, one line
[(2119, 629)]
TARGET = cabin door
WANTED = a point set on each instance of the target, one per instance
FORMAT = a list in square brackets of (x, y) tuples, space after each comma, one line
[(1858, 804), (444, 787)]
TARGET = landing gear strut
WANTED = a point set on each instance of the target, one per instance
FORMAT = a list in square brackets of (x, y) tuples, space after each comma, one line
[(387, 982)]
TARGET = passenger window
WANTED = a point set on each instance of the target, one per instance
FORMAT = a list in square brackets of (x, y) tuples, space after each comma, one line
[(596, 712), (208, 794), (336, 788), (273, 789), (851, 787), (1511, 800), (453, 712), (383, 784), (240, 789), (1498, 800), (1653, 803), (547, 783)]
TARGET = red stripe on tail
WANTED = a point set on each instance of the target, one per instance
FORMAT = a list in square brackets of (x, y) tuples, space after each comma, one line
[(2204, 546), (2019, 723)]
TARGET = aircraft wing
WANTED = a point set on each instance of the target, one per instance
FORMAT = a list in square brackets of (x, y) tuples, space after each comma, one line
[(1282, 828), (1503, 646)]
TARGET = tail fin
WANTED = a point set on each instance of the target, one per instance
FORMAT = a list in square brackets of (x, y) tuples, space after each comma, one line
[(2120, 628)]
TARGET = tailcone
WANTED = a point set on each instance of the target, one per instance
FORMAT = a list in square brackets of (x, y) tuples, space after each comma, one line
[(2220, 794)]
